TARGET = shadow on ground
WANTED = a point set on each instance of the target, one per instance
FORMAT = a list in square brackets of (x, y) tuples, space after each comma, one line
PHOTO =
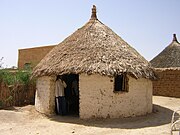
[(160, 116), (11, 108)]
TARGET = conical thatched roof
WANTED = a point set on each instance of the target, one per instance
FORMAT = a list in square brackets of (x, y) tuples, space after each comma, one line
[(94, 49), (169, 57)]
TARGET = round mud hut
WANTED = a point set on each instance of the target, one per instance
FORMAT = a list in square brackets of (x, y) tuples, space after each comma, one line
[(167, 68), (113, 79)]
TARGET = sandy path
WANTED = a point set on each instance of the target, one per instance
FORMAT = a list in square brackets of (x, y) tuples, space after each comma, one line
[(26, 121)]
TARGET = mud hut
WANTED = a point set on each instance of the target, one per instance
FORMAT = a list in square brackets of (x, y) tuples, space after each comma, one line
[(167, 68), (114, 80)]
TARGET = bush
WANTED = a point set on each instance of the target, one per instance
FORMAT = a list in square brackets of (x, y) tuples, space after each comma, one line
[(12, 78), (17, 86), (23, 77), (6, 77)]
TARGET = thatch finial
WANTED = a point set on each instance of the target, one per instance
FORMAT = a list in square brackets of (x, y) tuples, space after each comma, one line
[(174, 38), (93, 15)]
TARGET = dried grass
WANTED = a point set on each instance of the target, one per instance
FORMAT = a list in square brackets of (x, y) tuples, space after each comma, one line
[(169, 57), (94, 49)]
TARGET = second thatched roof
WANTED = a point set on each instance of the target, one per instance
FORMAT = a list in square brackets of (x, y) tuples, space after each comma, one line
[(94, 49), (169, 57)]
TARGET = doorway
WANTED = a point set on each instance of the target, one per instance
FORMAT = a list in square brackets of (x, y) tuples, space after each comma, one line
[(71, 93)]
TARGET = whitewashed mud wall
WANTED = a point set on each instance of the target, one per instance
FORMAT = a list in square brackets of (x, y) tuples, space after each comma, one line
[(97, 99), (45, 95)]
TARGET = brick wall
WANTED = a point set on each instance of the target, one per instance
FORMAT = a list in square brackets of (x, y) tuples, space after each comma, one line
[(168, 83), (32, 55)]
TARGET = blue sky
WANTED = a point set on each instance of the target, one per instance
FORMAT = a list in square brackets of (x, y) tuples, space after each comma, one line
[(147, 25)]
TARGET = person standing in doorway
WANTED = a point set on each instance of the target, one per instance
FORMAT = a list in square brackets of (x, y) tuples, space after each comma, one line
[(75, 88), (60, 96)]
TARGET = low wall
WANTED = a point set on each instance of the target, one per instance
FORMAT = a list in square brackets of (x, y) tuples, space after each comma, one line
[(167, 83), (97, 99)]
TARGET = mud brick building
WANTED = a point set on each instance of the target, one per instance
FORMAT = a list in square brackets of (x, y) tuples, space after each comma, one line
[(167, 68), (30, 57)]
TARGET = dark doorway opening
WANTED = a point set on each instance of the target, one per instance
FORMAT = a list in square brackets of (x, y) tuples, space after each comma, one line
[(71, 93)]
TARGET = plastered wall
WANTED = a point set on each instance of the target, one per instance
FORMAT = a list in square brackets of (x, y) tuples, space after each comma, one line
[(168, 83), (97, 99), (45, 95)]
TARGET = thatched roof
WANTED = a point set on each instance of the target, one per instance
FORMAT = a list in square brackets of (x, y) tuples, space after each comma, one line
[(167, 69), (169, 57), (94, 49)]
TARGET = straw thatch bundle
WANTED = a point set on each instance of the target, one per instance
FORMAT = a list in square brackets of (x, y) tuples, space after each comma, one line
[(167, 69), (94, 49), (169, 57)]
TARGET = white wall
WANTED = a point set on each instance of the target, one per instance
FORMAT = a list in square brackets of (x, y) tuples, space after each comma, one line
[(97, 99), (45, 95)]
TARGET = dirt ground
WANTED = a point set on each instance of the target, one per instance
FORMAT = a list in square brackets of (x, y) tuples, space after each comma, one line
[(26, 121)]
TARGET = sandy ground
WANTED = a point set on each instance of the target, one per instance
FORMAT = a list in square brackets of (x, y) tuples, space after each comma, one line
[(26, 121)]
